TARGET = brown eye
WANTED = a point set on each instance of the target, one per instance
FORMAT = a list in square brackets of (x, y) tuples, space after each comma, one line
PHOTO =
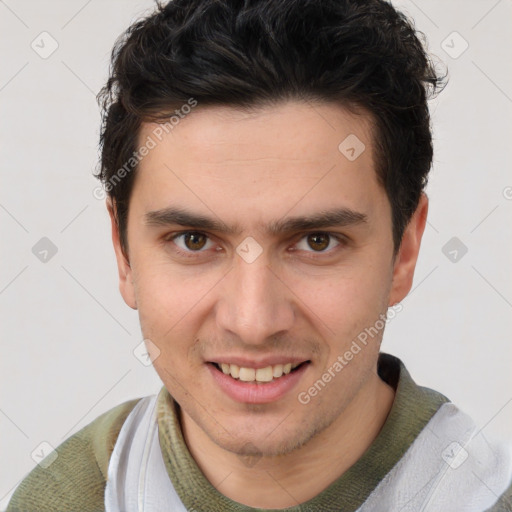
[(189, 244), (194, 241), (320, 244), (318, 241)]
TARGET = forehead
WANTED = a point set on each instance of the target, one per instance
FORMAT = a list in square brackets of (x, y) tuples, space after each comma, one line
[(273, 157), (292, 130)]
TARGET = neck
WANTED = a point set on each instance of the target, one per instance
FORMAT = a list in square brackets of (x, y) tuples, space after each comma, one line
[(294, 478)]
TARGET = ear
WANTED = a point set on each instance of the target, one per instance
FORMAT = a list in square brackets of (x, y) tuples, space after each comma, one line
[(405, 261), (126, 286)]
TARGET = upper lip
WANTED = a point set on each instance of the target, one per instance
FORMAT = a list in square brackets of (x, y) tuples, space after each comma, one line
[(261, 362)]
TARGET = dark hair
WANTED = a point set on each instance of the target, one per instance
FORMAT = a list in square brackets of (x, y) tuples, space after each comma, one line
[(361, 54)]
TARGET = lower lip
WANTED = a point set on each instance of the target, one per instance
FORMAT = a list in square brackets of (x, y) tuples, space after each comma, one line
[(252, 393)]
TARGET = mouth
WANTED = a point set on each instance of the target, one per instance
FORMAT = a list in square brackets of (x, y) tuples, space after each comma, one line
[(250, 385), (263, 375)]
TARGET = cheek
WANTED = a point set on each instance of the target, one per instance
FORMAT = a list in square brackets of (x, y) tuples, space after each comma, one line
[(165, 295), (160, 301), (172, 307), (345, 303)]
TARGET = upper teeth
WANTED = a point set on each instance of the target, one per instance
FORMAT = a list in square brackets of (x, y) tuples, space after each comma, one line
[(257, 374)]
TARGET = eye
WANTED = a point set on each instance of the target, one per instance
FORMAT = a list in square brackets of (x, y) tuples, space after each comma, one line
[(191, 241), (319, 242)]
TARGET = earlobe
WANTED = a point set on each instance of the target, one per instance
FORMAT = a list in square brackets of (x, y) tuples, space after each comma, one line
[(126, 286), (405, 262)]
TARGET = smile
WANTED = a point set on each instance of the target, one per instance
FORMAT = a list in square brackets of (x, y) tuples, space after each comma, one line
[(266, 374), (257, 385)]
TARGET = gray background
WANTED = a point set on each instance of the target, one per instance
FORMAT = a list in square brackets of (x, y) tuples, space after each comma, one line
[(67, 336)]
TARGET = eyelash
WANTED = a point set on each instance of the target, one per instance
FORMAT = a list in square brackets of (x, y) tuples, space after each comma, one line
[(342, 241)]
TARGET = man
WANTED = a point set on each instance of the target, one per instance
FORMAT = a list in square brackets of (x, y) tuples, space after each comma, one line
[(265, 165)]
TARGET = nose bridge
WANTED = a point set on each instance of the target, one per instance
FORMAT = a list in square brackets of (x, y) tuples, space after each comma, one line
[(255, 304)]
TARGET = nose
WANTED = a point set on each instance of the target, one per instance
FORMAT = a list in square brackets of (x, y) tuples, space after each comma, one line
[(256, 303)]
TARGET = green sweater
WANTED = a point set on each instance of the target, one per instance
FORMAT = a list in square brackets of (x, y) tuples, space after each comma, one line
[(76, 480)]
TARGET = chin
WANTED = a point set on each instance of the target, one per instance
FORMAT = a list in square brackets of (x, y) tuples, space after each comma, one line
[(265, 439)]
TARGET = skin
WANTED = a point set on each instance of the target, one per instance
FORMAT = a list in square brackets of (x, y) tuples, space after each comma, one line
[(294, 300)]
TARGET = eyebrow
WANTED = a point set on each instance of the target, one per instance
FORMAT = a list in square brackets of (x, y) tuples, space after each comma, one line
[(339, 217)]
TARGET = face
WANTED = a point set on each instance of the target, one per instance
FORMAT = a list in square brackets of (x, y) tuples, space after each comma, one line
[(258, 253)]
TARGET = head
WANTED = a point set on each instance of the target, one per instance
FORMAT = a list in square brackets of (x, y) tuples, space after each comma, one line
[(265, 164)]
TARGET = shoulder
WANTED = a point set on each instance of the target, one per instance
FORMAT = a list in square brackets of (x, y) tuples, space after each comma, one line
[(76, 478), (461, 463), (446, 461), (476, 467)]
